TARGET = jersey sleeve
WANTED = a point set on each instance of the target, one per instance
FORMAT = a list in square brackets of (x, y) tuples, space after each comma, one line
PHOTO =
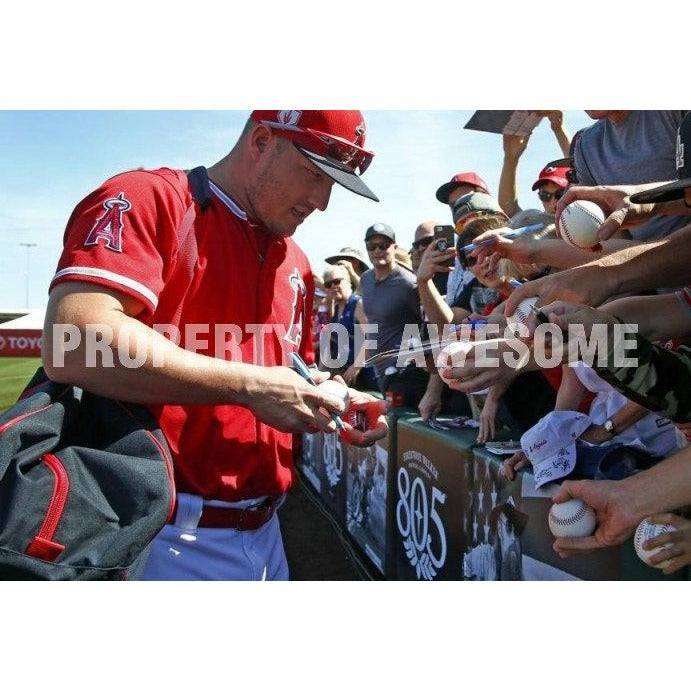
[(124, 236)]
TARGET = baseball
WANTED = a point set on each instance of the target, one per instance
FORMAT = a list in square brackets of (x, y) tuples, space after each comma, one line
[(647, 531), (337, 390), (579, 223), (573, 518), (520, 316)]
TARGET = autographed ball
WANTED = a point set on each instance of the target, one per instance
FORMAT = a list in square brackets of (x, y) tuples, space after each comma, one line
[(573, 518), (520, 316), (579, 223), (337, 390), (647, 531)]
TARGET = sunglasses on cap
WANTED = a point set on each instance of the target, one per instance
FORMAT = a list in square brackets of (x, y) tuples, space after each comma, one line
[(547, 196), (333, 282), (423, 242), (372, 246), (341, 150)]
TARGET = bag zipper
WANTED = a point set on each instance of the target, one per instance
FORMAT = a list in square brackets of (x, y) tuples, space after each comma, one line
[(171, 474), (166, 458), (10, 423), (43, 546)]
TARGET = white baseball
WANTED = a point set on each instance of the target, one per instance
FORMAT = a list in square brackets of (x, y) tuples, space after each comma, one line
[(647, 531), (573, 518), (520, 316), (337, 390), (579, 223)]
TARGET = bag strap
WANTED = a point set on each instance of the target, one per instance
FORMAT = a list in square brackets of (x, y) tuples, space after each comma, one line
[(198, 180)]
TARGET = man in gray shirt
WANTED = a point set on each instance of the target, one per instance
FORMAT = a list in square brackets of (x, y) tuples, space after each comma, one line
[(630, 148), (390, 300)]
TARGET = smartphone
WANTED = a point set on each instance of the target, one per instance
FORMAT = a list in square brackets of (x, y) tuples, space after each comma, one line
[(444, 238)]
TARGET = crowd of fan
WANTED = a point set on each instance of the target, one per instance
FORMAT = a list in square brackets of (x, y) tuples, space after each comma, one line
[(632, 425)]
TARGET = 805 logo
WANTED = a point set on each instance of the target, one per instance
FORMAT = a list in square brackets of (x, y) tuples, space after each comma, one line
[(417, 519)]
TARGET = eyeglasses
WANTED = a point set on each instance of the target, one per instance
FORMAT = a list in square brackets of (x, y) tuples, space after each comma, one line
[(372, 246), (333, 282), (547, 196), (341, 150), (423, 242)]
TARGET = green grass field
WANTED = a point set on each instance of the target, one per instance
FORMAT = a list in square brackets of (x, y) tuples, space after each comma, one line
[(15, 372)]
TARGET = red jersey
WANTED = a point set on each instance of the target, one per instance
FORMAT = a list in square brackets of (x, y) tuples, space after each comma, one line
[(125, 236)]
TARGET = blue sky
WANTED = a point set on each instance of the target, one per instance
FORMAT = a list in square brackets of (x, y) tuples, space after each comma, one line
[(51, 159)]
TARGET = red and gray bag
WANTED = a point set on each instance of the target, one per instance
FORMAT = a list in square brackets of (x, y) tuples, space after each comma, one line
[(85, 484)]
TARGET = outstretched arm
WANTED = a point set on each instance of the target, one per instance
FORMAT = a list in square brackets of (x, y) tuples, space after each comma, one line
[(630, 270), (514, 146), (164, 373)]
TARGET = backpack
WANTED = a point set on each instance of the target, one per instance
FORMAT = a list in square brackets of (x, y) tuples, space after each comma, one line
[(86, 482)]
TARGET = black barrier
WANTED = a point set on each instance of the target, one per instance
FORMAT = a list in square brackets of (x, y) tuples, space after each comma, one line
[(369, 489), (430, 504), (516, 540)]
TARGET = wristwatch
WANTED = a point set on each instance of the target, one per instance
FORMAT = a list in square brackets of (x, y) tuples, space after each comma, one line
[(609, 427)]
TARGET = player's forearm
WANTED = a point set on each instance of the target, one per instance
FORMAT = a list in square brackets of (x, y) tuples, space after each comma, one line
[(434, 305), (145, 367), (508, 195)]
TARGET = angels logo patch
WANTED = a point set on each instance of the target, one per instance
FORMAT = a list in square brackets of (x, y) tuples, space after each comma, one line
[(289, 117), (108, 227), (294, 332)]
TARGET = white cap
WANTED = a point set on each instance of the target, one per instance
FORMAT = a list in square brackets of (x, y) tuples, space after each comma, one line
[(550, 445)]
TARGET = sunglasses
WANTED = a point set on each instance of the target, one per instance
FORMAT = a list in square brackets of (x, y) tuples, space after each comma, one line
[(372, 246), (423, 242), (547, 196), (333, 282), (346, 153)]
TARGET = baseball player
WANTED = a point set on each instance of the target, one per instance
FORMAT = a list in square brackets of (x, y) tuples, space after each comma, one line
[(193, 265)]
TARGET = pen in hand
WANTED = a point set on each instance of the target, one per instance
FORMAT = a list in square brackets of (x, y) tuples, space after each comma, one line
[(303, 370)]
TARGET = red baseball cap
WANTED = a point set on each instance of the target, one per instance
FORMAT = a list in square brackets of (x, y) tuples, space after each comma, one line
[(460, 179), (333, 140), (555, 174)]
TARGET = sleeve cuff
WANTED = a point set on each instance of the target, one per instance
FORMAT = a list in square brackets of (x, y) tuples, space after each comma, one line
[(123, 284)]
